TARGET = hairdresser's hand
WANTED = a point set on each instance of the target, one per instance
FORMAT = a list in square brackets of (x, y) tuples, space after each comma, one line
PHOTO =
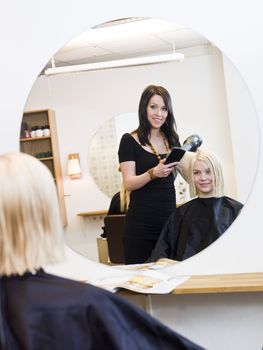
[(163, 170)]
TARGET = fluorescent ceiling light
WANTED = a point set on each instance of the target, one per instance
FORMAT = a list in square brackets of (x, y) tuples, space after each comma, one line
[(128, 62)]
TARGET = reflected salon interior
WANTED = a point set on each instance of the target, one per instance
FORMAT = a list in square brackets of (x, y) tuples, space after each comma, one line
[(93, 106)]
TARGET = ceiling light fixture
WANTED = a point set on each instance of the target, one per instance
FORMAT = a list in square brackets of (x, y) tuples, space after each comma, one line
[(128, 62)]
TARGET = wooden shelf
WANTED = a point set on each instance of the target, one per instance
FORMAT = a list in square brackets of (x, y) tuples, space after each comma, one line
[(216, 284), (93, 213), (46, 158), (27, 139), (225, 283), (45, 145)]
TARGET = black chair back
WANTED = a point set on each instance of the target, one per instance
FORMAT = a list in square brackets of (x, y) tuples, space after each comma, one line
[(114, 226)]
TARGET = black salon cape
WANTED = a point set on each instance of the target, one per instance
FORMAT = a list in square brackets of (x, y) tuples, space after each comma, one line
[(46, 312), (194, 226)]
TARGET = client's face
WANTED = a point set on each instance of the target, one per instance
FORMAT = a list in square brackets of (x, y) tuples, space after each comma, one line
[(203, 179)]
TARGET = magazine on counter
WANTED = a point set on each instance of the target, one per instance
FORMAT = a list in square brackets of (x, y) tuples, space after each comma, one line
[(159, 277), (149, 278)]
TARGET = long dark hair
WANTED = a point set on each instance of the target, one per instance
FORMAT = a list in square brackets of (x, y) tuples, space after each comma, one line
[(168, 128)]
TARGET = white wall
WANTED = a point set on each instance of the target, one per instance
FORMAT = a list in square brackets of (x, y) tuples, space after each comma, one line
[(230, 321), (31, 31), (245, 144)]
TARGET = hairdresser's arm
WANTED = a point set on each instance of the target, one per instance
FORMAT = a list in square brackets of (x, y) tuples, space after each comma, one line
[(134, 182)]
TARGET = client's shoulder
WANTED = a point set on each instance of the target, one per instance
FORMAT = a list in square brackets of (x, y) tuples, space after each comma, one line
[(232, 202), (181, 209)]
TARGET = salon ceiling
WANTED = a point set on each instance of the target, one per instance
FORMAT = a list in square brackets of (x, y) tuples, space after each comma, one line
[(128, 38)]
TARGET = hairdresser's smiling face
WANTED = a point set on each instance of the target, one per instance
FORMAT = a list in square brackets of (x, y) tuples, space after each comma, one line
[(156, 111), (203, 179)]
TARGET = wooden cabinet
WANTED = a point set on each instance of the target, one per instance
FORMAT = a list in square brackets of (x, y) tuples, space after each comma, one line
[(45, 148)]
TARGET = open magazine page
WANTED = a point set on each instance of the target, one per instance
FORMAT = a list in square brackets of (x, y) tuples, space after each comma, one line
[(153, 282), (147, 278), (160, 264), (142, 278)]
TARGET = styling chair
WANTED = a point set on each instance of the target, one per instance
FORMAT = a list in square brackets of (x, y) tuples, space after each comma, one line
[(114, 226)]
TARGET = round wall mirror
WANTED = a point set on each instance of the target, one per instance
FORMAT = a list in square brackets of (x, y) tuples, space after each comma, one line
[(95, 101)]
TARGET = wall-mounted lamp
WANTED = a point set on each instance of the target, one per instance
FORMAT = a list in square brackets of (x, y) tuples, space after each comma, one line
[(73, 166)]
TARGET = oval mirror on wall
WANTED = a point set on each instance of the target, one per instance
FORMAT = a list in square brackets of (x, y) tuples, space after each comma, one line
[(209, 98)]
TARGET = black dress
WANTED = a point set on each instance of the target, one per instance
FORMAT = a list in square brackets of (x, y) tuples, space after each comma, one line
[(150, 206), (194, 226), (46, 312)]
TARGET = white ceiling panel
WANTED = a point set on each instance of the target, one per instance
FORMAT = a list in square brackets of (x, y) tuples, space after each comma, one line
[(82, 53), (127, 38)]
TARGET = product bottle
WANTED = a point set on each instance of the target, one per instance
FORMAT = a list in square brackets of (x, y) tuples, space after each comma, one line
[(39, 131), (33, 132), (46, 131)]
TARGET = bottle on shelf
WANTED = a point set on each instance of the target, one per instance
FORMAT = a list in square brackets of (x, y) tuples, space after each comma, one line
[(46, 131), (39, 131), (24, 132), (33, 132)]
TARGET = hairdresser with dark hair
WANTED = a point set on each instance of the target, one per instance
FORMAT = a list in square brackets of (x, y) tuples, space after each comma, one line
[(150, 181)]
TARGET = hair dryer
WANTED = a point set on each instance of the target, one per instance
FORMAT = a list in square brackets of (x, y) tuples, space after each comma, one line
[(192, 143)]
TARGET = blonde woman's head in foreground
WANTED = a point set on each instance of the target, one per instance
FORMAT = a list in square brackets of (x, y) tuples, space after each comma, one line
[(30, 227), (205, 175)]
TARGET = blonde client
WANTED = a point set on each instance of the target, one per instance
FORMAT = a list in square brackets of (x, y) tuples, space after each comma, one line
[(46, 312), (199, 222)]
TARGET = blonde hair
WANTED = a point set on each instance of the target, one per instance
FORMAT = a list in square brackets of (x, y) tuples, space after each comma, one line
[(30, 227), (215, 166), (124, 199)]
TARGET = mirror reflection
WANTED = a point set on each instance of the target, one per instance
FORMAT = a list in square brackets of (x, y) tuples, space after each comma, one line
[(195, 225), (149, 178), (208, 96)]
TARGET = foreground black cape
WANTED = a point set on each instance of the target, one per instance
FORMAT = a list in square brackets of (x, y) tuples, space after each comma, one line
[(194, 226), (46, 312)]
